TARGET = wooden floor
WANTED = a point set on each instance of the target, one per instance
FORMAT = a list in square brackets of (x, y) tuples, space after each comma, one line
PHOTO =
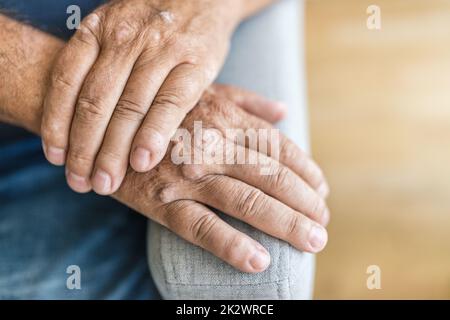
[(380, 112)]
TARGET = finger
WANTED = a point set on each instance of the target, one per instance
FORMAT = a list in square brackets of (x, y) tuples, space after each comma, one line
[(99, 95), (113, 158), (281, 148), (200, 226), (179, 93), (272, 111), (261, 211), (267, 175), (68, 74)]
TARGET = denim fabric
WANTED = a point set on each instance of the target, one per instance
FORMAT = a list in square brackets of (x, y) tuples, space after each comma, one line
[(45, 227), (265, 57), (49, 16)]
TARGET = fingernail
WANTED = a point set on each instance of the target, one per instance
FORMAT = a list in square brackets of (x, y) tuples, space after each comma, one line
[(260, 260), (140, 160), (101, 182), (317, 238), (77, 183), (55, 156)]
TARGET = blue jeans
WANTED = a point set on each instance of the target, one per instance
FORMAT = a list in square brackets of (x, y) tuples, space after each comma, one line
[(45, 227)]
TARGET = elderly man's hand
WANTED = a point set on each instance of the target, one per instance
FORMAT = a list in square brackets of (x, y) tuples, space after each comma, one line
[(284, 202), (126, 80)]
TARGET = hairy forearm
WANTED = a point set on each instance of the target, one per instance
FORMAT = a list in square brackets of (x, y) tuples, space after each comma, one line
[(26, 58)]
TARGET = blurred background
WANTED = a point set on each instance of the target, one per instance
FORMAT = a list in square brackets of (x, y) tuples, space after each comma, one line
[(380, 123)]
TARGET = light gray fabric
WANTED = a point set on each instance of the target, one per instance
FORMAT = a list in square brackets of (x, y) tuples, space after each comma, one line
[(264, 58)]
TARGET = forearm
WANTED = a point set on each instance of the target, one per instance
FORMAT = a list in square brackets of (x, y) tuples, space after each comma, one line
[(26, 58)]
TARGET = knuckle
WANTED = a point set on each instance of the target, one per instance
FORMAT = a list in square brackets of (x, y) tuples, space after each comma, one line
[(316, 174), (250, 203), (318, 207), (282, 180), (79, 158), (293, 227), (202, 227), (154, 37), (147, 188), (90, 28), (193, 53), (193, 171), (173, 218), (232, 248), (176, 42), (110, 157), (124, 33), (129, 110), (289, 152), (169, 100), (59, 80), (209, 183), (89, 109), (168, 193)]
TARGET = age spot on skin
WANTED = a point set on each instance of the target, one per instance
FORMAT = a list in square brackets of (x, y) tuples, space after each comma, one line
[(167, 16)]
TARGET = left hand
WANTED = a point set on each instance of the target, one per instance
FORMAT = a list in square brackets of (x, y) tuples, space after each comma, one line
[(125, 81)]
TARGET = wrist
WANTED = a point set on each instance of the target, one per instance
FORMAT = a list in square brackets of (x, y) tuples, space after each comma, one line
[(26, 58)]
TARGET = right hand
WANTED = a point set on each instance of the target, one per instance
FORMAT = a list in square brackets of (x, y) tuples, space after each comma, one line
[(285, 204)]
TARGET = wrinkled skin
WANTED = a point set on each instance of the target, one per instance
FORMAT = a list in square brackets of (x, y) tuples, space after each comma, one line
[(286, 204), (125, 81)]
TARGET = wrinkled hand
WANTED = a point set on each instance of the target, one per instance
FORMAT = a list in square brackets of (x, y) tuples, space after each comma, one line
[(287, 204), (125, 81)]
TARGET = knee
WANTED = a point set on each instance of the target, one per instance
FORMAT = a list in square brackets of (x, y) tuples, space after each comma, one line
[(183, 271)]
